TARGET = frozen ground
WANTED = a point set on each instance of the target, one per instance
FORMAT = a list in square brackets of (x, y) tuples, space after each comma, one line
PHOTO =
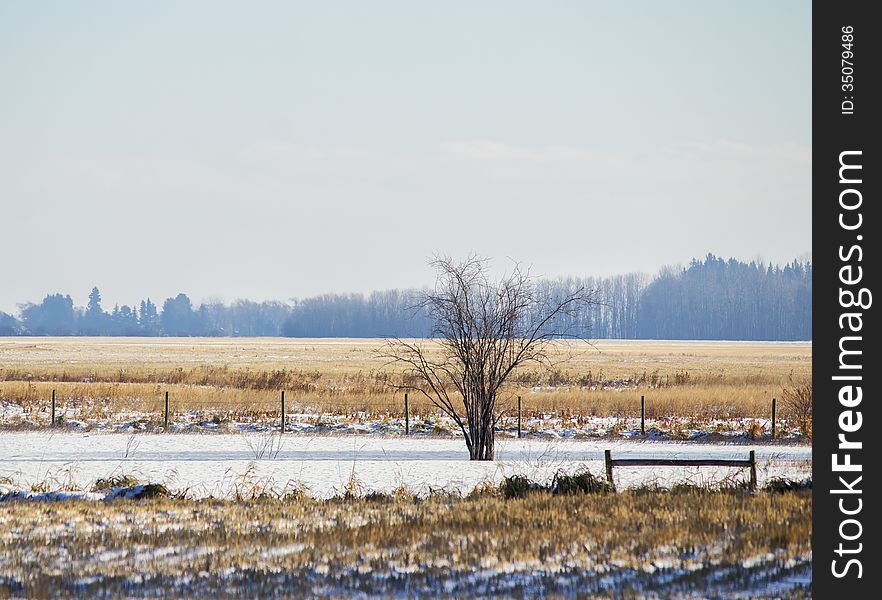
[(223, 464)]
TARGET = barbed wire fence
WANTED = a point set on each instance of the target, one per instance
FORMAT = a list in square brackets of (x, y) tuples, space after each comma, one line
[(397, 410)]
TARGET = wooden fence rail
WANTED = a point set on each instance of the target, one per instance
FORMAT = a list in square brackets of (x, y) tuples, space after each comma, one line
[(749, 463)]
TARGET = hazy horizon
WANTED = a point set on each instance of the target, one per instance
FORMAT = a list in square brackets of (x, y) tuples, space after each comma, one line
[(277, 150), (107, 305)]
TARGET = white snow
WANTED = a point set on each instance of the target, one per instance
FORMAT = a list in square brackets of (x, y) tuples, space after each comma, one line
[(224, 464)]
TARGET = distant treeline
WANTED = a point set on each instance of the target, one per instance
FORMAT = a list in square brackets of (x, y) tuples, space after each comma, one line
[(713, 299)]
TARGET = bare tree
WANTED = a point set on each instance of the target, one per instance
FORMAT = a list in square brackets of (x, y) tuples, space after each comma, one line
[(486, 330)]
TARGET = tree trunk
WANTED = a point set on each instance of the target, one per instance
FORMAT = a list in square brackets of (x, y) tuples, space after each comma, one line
[(489, 443), (482, 445)]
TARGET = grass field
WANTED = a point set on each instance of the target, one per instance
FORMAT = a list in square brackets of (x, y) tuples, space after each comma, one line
[(636, 544), (241, 378), (642, 542)]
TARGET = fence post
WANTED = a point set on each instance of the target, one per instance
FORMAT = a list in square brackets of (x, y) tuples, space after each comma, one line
[(753, 470), (166, 410), (52, 422), (519, 416), (642, 415), (406, 416), (283, 411), (774, 407), (607, 457)]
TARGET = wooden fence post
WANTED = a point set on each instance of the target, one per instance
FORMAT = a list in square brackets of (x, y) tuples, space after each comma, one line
[(774, 411), (166, 410), (642, 415), (52, 422), (753, 470), (283, 411), (406, 416), (519, 416), (607, 457)]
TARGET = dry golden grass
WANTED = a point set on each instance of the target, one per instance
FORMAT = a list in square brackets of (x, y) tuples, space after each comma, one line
[(243, 376), (400, 545)]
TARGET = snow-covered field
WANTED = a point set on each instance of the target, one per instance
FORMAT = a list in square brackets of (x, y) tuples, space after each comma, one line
[(206, 549), (221, 465)]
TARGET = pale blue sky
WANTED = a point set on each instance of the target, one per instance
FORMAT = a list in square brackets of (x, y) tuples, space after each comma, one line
[(268, 150)]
